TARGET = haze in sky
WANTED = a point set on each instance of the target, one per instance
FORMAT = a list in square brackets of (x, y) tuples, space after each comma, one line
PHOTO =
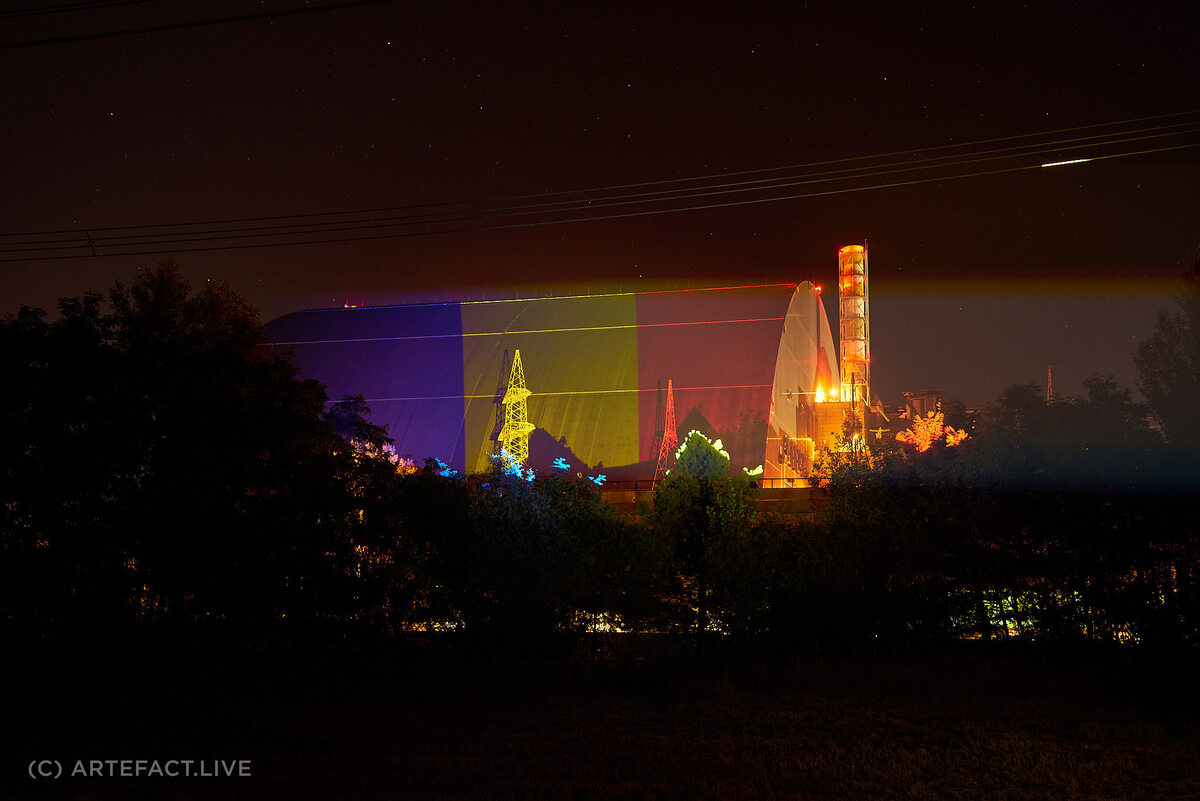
[(370, 152)]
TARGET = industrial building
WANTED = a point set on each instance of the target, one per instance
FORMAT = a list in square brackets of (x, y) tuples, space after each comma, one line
[(749, 365)]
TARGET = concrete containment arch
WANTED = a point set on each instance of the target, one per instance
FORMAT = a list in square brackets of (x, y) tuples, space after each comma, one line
[(745, 363)]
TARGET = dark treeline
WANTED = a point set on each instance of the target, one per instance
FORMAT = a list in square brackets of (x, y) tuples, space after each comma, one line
[(167, 478)]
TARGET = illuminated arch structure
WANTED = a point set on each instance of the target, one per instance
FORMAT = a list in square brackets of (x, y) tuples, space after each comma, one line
[(745, 362)]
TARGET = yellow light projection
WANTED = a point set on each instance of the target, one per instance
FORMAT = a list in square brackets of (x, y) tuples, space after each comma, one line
[(580, 358)]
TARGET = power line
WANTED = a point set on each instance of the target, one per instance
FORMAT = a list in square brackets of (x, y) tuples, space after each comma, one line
[(499, 203), (176, 26), (187, 238), (777, 183), (832, 191), (301, 229), (590, 218), (66, 8), (913, 152)]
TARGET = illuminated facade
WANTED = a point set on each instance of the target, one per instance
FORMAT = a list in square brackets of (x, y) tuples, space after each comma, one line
[(744, 364), (853, 323)]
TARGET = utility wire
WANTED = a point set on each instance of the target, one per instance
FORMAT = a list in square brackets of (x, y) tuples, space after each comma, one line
[(66, 8), (591, 218), (832, 191), (498, 202), (911, 152), (177, 26), (327, 225), (451, 212), (866, 171), (582, 205), (185, 238), (179, 237)]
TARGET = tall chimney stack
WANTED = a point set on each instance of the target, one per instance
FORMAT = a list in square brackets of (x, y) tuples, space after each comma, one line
[(853, 324)]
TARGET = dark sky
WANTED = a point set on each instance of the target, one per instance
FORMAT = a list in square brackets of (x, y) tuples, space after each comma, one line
[(977, 283)]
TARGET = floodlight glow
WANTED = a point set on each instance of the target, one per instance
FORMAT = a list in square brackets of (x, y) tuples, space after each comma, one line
[(438, 374)]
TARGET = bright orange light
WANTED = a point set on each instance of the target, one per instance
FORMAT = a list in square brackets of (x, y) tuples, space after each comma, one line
[(929, 429), (819, 395)]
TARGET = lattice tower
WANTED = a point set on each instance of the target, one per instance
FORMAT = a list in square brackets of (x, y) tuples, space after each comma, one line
[(670, 438), (517, 428)]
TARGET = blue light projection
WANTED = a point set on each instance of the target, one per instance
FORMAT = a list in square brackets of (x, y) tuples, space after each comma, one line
[(511, 467), (435, 373), (443, 469)]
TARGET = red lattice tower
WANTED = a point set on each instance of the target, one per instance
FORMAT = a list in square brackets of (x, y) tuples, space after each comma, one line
[(670, 439)]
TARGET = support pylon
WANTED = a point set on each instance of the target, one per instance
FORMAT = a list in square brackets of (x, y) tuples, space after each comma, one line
[(514, 437), (670, 437)]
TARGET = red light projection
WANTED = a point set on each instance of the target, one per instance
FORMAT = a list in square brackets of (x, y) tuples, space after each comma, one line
[(744, 364)]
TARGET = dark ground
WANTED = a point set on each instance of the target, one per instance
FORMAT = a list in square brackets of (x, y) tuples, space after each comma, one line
[(970, 723)]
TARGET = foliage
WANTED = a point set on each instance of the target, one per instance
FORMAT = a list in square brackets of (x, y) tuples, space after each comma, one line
[(1046, 524), (705, 514), (930, 429), (701, 457), (530, 559), (161, 466), (1168, 366), (1101, 440), (164, 472), (851, 435)]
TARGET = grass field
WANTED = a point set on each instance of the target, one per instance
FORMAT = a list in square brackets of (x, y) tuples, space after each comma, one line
[(947, 728)]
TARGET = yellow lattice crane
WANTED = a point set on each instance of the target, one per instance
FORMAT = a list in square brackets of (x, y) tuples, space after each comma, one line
[(514, 437)]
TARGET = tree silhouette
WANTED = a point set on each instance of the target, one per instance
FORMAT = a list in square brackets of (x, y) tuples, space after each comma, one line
[(700, 509), (1168, 366), (164, 468)]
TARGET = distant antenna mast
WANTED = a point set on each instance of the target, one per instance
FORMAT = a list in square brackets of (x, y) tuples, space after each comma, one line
[(517, 428), (670, 438), (1049, 384)]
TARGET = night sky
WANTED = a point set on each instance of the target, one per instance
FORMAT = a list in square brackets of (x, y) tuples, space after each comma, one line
[(976, 282)]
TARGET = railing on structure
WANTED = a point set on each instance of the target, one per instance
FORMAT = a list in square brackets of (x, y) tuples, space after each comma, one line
[(634, 485), (646, 484)]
